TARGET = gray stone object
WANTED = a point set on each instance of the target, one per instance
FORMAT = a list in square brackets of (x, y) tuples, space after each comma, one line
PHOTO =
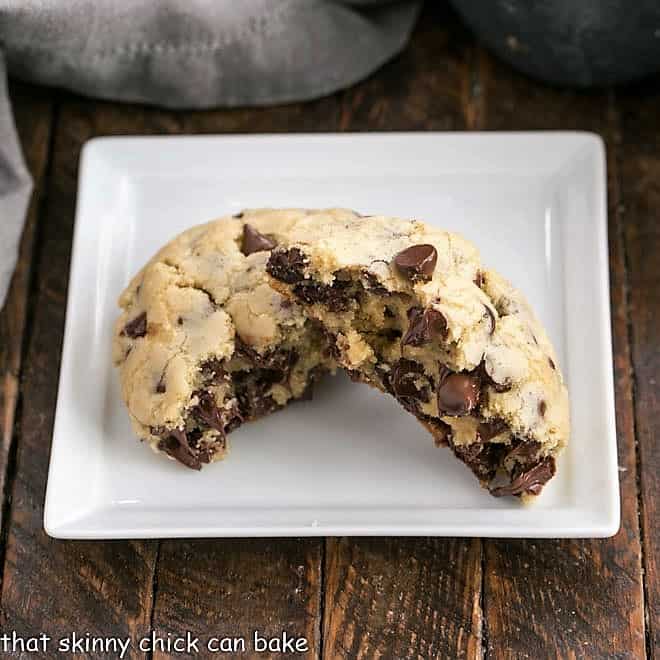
[(580, 43)]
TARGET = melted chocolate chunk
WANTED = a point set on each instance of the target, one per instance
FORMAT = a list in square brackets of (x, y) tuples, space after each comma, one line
[(417, 262), (424, 324), (279, 360), (488, 430), (479, 279), (522, 451), (161, 388), (543, 406), (530, 480), (458, 393), (206, 412), (175, 443), (137, 327), (482, 458), (405, 382), (253, 241), (287, 265), (335, 296), (251, 388)]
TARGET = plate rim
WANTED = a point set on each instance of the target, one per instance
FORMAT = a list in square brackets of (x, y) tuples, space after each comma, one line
[(604, 521)]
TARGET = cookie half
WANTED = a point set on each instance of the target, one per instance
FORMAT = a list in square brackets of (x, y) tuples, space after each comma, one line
[(204, 343), (411, 310)]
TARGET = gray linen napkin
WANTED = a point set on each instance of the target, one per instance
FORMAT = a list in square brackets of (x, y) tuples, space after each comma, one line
[(15, 189), (184, 54)]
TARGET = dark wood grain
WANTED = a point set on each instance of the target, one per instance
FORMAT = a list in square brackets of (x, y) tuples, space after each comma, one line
[(55, 586), (34, 117), (402, 598), (640, 211), (231, 588), (571, 598)]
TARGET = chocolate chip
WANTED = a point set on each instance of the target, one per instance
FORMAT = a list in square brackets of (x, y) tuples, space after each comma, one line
[(287, 265), (424, 324), (543, 406), (458, 393), (530, 480), (492, 319), (175, 443), (253, 241), (238, 215), (137, 327), (408, 383), (488, 430), (180, 320), (417, 262), (161, 388), (479, 279), (207, 412), (551, 363)]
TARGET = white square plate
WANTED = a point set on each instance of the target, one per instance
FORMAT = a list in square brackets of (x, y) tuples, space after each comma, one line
[(351, 461)]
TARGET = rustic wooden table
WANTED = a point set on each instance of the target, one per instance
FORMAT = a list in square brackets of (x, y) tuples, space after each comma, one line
[(351, 597)]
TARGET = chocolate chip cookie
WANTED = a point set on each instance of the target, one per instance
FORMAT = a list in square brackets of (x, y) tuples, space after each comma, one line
[(412, 311), (204, 343)]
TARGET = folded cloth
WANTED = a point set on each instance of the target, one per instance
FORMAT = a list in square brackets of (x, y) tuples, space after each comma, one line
[(15, 188), (185, 54)]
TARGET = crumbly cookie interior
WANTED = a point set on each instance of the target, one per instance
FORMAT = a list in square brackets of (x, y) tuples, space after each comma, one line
[(401, 344), (204, 344), (243, 388)]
